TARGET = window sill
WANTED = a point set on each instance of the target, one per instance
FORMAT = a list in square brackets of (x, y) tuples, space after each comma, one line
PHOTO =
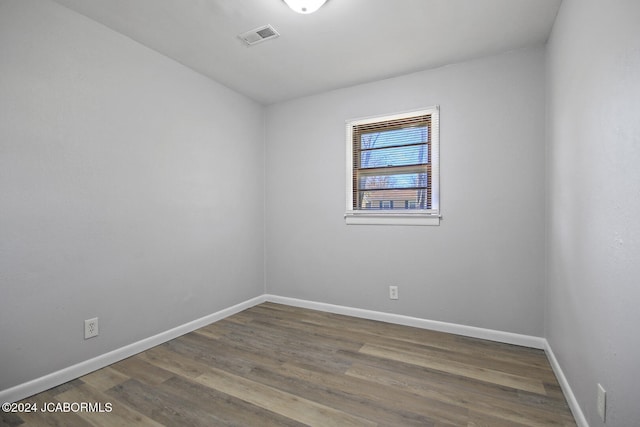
[(353, 218)]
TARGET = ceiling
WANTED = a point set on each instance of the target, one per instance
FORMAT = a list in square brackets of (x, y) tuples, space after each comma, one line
[(346, 42)]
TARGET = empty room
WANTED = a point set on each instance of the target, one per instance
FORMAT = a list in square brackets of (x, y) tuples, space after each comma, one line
[(320, 212)]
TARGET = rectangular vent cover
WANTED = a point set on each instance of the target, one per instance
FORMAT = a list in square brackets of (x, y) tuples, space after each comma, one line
[(258, 35)]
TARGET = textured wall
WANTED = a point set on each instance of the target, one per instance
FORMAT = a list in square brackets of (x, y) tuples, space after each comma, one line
[(594, 203)]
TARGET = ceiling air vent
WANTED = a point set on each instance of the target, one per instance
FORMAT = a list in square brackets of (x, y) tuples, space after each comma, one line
[(259, 35)]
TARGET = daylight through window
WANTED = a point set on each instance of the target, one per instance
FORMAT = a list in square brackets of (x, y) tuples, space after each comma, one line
[(393, 167)]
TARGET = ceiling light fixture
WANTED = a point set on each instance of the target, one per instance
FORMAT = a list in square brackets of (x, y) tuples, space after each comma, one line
[(305, 6)]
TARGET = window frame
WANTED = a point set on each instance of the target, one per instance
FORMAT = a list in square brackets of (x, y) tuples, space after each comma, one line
[(397, 216)]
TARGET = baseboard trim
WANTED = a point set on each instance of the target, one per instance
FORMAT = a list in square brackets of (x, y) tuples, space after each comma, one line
[(62, 376), (53, 379), (581, 420), (452, 328)]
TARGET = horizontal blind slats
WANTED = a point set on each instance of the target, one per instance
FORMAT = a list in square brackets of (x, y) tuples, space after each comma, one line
[(397, 169)]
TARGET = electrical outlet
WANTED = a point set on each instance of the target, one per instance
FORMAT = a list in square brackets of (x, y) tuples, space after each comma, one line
[(602, 402), (393, 292), (91, 328)]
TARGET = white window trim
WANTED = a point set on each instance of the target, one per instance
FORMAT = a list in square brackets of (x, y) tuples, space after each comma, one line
[(426, 217)]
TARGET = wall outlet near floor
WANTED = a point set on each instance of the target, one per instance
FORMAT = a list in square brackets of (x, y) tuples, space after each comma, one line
[(393, 292), (602, 402), (91, 328)]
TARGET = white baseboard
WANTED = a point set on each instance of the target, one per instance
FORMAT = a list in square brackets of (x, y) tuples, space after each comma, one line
[(53, 379), (452, 328), (581, 420), (469, 331), (62, 376)]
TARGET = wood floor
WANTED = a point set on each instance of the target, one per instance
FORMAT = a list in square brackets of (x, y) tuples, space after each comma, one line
[(275, 365)]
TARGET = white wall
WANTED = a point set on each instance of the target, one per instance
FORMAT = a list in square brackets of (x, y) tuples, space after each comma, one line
[(131, 189), (484, 265), (593, 297)]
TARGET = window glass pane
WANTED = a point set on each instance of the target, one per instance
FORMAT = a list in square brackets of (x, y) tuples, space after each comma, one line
[(391, 163), (391, 138), (396, 181), (395, 156), (394, 199)]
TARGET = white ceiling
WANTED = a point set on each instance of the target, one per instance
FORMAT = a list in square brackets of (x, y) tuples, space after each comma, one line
[(346, 42)]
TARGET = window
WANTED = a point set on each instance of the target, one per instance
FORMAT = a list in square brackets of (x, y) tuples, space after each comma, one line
[(392, 169)]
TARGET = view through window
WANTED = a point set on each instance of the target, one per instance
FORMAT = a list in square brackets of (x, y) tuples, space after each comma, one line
[(394, 164)]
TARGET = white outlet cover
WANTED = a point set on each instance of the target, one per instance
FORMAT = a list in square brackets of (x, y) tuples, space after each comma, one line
[(602, 402), (91, 328)]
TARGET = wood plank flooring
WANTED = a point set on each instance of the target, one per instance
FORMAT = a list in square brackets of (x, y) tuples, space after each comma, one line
[(275, 365)]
